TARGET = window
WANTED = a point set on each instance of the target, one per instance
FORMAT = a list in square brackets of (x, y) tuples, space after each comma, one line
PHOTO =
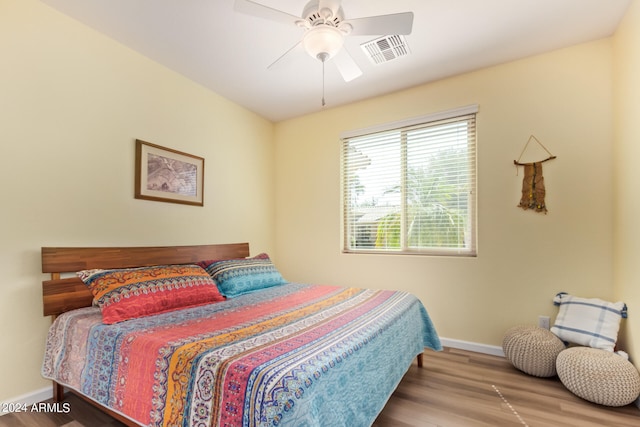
[(410, 187)]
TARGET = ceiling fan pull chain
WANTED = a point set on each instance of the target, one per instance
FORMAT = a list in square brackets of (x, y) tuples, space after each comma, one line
[(323, 103)]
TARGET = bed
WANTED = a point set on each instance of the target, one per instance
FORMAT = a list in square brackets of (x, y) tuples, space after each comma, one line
[(273, 353)]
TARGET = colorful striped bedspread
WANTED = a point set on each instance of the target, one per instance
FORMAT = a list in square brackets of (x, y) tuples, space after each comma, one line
[(295, 355)]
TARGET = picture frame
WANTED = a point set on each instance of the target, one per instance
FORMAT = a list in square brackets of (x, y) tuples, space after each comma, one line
[(166, 175)]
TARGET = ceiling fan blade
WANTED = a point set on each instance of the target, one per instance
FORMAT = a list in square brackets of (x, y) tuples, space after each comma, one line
[(383, 25), (285, 57), (252, 8), (346, 65)]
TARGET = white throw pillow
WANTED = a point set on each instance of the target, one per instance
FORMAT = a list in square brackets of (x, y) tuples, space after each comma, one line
[(590, 322)]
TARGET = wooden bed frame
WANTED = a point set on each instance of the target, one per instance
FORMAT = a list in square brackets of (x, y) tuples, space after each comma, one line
[(60, 295)]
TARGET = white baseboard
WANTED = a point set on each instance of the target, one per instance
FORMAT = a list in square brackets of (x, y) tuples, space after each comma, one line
[(473, 346), (26, 399)]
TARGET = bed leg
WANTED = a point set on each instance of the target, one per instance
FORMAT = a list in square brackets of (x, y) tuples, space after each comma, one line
[(420, 360), (58, 392)]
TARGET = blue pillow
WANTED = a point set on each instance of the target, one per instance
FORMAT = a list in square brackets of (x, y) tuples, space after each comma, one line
[(236, 277)]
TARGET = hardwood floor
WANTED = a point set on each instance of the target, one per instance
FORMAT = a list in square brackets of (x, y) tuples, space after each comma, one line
[(454, 388), (466, 389)]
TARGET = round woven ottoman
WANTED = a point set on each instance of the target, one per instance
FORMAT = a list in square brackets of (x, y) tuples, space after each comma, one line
[(598, 376), (532, 350)]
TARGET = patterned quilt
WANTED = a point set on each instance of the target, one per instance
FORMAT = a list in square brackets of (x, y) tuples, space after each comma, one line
[(296, 355)]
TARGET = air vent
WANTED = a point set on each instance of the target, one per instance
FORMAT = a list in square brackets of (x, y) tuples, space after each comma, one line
[(385, 49)]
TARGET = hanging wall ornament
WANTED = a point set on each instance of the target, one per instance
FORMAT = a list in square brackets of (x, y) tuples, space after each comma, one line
[(533, 190)]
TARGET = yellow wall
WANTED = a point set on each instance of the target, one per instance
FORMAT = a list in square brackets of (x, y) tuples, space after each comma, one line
[(72, 103), (524, 258), (626, 157)]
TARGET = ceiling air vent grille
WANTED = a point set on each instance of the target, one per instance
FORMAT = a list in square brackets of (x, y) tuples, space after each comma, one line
[(385, 49)]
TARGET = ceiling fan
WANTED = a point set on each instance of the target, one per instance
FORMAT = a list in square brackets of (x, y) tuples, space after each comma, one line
[(326, 27)]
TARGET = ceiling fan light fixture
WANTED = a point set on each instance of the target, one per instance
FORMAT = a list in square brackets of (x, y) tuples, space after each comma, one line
[(323, 42)]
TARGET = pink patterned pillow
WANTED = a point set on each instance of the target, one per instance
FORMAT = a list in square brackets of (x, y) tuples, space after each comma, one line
[(129, 293)]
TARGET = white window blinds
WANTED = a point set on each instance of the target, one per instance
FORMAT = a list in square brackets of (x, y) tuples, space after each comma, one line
[(410, 187)]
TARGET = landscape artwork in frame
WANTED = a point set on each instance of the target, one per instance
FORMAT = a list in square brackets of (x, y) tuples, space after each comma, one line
[(167, 175)]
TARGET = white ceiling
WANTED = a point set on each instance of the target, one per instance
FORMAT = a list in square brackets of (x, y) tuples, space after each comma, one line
[(228, 52)]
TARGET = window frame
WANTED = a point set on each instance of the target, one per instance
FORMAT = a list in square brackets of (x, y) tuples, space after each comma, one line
[(470, 249)]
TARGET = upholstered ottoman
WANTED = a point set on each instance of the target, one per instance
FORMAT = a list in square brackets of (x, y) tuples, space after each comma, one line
[(532, 350), (598, 376)]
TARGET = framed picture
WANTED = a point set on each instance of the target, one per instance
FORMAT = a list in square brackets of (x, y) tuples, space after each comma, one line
[(167, 175)]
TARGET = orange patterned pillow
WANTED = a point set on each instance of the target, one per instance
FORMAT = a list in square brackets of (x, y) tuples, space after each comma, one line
[(129, 293)]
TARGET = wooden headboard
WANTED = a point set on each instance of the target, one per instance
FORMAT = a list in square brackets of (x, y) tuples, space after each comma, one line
[(63, 294)]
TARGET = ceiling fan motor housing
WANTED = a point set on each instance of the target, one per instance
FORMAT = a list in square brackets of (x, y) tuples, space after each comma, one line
[(330, 14)]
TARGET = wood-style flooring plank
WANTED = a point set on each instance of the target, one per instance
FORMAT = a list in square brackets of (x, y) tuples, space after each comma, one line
[(462, 388), (455, 388)]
